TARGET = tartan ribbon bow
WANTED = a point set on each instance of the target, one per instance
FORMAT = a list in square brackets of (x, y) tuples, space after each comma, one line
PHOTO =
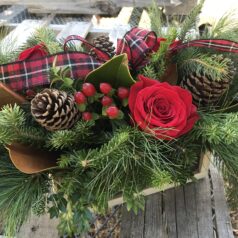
[(137, 43)]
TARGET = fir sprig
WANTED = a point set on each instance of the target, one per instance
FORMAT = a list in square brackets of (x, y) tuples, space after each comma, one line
[(14, 127), (46, 36), (156, 18), (215, 66), (78, 136)]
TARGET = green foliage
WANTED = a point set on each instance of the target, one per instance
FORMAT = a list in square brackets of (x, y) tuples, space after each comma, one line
[(156, 18), (115, 71), (160, 58), (47, 36), (8, 48), (14, 127), (149, 71), (80, 135), (190, 21), (216, 66), (225, 28), (18, 193), (59, 77), (219, 134), (217, 128)]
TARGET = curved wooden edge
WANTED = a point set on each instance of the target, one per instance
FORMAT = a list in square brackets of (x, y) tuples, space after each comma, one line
[(30, 160)]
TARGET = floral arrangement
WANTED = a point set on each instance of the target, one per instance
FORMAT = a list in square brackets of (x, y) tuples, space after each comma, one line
[(78, 128)]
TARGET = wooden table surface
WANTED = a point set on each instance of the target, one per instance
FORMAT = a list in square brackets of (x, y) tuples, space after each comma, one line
[(196, 210)]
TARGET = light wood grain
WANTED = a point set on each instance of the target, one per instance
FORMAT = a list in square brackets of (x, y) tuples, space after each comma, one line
[(170, 213), (203, 207), (223, 221)]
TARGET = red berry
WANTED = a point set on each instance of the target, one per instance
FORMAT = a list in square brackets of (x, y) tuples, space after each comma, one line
[(123, 93), (79, 98), (112, 112), (88, 89), (87, 116), (106, 101), (105, 88)]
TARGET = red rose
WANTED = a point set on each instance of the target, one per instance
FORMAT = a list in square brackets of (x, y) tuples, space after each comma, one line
[(34, 52), (162, 109)]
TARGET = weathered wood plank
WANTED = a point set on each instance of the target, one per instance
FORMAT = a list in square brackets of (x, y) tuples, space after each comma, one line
[(75, 28), (153, 217), (86, 6), (223, 221), (10, 13), (203, 207), (132, 225), (170, 213), (185, 212), (38, 227), (21, 33)]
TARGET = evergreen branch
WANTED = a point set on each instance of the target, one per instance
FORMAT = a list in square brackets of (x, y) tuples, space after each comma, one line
[(156, 18), (47, 36), (78, 136), (225, 28), (149, 71), (159, 59), (18, 193), (216, 66), (14, 127), (217, 128), (8, 49), (190, 20)]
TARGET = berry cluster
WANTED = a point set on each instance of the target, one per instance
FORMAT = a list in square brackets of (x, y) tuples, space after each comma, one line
[(89, 95)]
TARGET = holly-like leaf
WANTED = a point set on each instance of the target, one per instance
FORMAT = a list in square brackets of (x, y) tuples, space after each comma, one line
[(115, 72)]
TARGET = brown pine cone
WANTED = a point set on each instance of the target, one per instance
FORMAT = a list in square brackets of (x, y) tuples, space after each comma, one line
[(54, 109)]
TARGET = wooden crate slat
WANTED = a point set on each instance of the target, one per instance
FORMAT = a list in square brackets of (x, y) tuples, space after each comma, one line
[(170, 213), (132, 225), (154, 227), (185, 216), (223, 221), (38, 227), (75, 28), (11, 12), (22, 32), (203, 207)]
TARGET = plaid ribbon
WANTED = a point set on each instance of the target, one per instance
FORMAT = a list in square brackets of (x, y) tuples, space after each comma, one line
[(216, 44), (137, 43), (29, 74)]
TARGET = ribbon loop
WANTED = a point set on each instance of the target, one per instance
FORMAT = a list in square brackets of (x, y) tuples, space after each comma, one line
[(137, 44), (99, 52)]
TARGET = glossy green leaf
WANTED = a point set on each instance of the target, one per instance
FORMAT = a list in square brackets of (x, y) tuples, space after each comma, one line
[(115, 71)]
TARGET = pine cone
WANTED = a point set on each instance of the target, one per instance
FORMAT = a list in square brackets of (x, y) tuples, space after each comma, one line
[(205, 90), (54, 109), (103, 43)]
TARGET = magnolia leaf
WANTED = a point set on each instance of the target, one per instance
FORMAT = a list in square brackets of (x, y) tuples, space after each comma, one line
[(115, 71)]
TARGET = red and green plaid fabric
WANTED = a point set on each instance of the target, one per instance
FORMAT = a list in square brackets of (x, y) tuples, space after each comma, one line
[(21, 75), (137, 44), (216, 44)]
